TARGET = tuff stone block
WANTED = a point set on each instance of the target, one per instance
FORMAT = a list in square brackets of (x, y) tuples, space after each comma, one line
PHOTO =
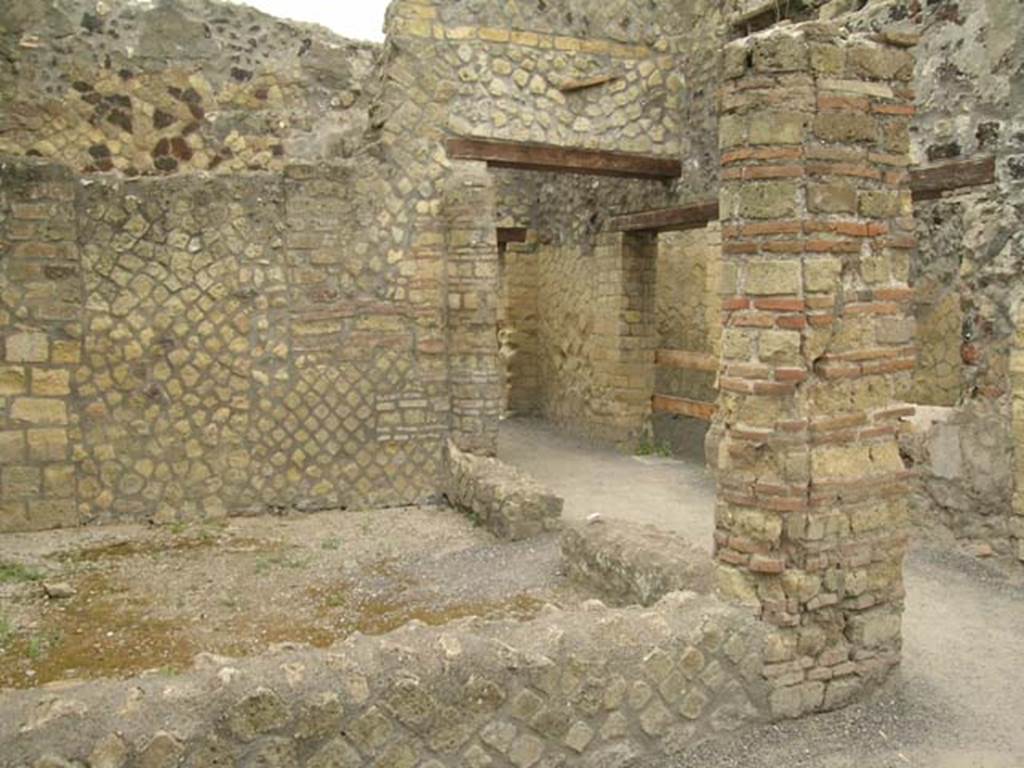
[(37, 410), (846, 127), (832, 198), (27, 347), (767, 200), (771, 278)]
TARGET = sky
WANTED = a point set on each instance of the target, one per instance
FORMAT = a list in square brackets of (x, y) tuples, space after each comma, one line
[(358, 19)]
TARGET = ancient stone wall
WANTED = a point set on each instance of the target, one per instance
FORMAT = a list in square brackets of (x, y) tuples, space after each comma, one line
[(304, 338), (689, 322), (518, 328), (966, 271), (499, 497), (817, 228), (558, 297), (566, 296), (181, 349), (177, 87), (593, 687), (506, 56)]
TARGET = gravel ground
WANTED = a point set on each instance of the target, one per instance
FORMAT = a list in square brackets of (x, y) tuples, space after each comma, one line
[(153, 598), (959, 702)]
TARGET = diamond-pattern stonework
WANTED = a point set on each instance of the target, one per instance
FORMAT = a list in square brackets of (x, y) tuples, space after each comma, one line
[(229, 369), (473, 693)]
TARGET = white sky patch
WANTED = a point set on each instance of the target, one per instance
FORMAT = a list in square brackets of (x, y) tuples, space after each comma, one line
[(357, 19)]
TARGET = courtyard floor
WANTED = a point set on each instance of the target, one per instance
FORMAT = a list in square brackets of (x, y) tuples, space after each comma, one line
[(960, 703), (148, 599)]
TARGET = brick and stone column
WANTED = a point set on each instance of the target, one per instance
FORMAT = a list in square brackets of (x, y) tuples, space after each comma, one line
[(817, 346), (471, 284), (625, 335)]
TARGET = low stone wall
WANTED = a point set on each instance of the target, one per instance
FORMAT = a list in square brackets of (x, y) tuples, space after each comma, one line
[(634, 563), (499, 497), (593, 687)]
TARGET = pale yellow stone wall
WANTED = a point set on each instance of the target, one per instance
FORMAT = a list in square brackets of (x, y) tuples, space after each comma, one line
[(1017, 379), (518, 329), (689, 307), (938, 379), (567, 285)]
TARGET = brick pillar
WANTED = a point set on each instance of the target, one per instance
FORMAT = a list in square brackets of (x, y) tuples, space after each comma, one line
[(471, 281), (625, 335), (817, 346)]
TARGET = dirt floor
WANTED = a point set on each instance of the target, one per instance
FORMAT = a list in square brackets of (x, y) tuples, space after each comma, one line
[(960, 702), (149, 598), (671, 494)]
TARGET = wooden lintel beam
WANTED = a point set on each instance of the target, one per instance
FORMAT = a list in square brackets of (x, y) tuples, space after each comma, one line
[(925, 184), (683, 406), (550, 157), (688, 361), (930, 183), (676, 219), (511, 235)]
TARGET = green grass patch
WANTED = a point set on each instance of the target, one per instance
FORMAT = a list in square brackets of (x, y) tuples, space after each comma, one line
[(15, 573), (650, 448)]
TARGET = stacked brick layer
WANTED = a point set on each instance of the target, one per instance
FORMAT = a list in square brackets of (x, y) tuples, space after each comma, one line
[(817, 346)]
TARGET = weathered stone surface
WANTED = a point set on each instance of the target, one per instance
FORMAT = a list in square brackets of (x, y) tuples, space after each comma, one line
[(553, 659), (501, 498), (633, 563)]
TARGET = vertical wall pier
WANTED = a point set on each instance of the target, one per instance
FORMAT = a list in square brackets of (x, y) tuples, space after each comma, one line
[(471, 274), (817, 347), (625, 334)]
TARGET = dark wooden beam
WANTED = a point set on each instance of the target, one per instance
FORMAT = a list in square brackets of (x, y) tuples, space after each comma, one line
[(925, 183), (549, 157), (676, 219), (930, 183), (683, 406), (508, 235)]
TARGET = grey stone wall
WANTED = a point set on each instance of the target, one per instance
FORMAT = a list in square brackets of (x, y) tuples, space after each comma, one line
[(177, 87), (634, 563), (970, 103)]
